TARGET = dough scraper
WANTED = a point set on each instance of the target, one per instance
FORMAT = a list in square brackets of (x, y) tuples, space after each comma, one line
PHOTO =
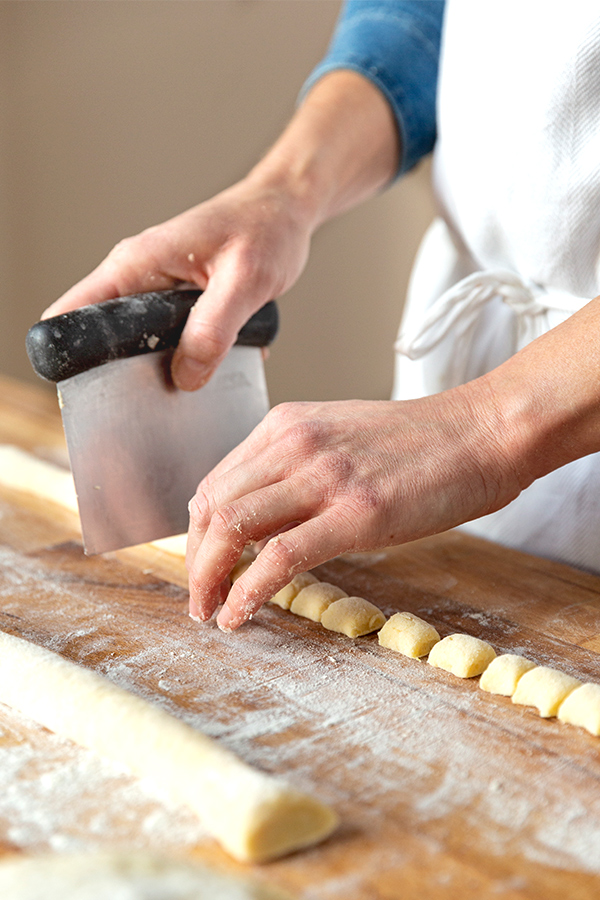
[(138, 446)]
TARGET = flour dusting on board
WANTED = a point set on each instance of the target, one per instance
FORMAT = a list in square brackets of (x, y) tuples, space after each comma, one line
[(49, 792), (390, 742)]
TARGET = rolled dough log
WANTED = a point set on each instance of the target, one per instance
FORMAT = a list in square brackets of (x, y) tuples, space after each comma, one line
[(122, 876), (287, 594), (408, 634), (544, 688), (582, 707), (312, 601), (21, 471), (503, 674), (254, 816), (353, 616), (462, 654), (176, 544)]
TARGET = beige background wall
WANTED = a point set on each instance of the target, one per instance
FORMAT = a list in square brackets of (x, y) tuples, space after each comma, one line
[(115, 116)]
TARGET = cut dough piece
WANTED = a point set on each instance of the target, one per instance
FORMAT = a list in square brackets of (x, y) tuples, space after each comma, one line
[(288, 594), (544, 688), (582, 707), (462, 654), (130, 876), (243, 563), (22, 471), (503, 674), (254, 816), (408, 634), (312, 601), (353, 616)]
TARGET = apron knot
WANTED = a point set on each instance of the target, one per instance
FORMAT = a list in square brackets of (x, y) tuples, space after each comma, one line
[(458, 308)]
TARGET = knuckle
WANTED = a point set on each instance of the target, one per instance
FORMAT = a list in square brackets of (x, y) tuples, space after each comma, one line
[(281, 414), (251, 265), (281, 553), (122, 248), (337, 466), (199, 508), (206, 337), (306, 437), (226, 524)]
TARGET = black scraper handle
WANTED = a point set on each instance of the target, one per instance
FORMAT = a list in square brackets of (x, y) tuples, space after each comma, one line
[(88, 337)]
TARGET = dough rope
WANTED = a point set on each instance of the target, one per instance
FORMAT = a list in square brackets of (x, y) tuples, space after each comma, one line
[(553, 693), (254, 816)]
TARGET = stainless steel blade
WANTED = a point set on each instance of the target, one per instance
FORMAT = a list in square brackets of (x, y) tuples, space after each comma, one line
[(139, 447)]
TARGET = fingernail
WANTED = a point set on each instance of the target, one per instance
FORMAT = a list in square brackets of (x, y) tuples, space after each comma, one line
[(195, 613), (225, 619), (189, 374)]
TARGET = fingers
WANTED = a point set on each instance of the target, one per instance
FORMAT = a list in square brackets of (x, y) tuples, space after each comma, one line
[(250, 518), (285, 555), (242, 478), (231, 297)]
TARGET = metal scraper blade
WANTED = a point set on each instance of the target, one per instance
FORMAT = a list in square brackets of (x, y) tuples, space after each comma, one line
[(138, 446)]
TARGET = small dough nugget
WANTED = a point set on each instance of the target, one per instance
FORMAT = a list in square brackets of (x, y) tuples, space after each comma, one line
[(582, 707), (312, 601), (353, 616), (462, 655), (408, 634), (503, 674), (287, 594), (544, 688), (243, 563)]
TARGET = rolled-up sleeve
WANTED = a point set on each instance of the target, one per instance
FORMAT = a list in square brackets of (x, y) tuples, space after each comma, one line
[(396, 45)]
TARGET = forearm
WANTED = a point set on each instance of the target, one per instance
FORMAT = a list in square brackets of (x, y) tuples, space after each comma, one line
[(341, 147), (547, 397)]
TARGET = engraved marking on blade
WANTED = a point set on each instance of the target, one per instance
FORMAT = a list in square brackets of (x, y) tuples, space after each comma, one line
[(232, 381)]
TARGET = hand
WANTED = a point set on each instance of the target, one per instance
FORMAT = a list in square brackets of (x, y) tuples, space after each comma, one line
[(325, 478), (243, 247), (250, 243)]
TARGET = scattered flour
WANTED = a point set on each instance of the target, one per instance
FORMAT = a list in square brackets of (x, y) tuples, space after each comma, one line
[(392, 743)]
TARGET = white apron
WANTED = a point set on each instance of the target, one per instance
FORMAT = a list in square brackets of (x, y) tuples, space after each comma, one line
[(516, 249)]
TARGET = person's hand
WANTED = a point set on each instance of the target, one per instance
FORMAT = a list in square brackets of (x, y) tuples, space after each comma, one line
[(250, 243), (244, 247), (319, 479)]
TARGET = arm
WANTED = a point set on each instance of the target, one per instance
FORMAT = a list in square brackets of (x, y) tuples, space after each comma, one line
[(338, 477), (250, 242), (368, 112)]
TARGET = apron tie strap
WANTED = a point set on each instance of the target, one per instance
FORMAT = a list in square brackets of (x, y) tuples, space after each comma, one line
[(458, 308)]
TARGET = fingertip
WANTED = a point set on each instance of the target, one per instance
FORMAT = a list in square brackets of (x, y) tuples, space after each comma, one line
[(227, 620), (195, 613)]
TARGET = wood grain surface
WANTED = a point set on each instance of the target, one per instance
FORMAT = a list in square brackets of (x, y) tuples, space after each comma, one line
[(443, 790)]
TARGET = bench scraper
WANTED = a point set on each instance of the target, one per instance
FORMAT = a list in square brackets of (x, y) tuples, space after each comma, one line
[(138, 446)]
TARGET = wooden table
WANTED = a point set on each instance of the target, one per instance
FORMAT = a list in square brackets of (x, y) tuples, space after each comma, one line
[(443, 790)]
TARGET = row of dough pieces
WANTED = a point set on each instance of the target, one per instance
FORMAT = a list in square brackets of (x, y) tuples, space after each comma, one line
[(552, 692)]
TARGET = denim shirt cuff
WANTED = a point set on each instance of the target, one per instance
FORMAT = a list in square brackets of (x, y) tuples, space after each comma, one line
[(395, 44)]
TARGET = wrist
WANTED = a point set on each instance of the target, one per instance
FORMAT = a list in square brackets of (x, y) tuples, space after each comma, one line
[(547, 397), (341, 147)]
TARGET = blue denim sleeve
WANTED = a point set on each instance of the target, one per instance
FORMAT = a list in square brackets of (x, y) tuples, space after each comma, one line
[(395, 44)]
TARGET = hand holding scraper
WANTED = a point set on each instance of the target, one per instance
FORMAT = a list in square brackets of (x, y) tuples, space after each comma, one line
[(138, 446)]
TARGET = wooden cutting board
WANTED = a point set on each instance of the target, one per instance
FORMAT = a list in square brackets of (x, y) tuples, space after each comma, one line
[(443, 790)]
